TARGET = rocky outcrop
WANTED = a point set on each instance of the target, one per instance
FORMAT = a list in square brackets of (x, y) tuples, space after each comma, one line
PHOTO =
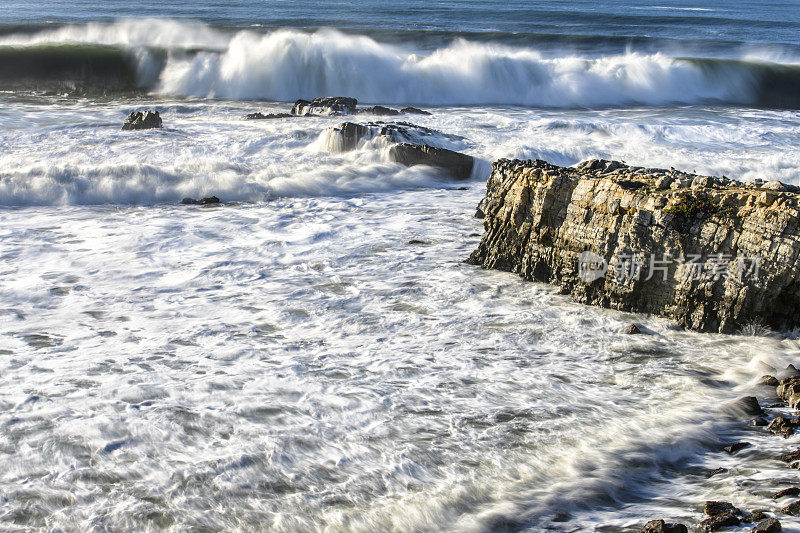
[(329, 105), (142, 120), (712, 253), (272, 116), (381, 110), (347, 135), (203, 201), (457, 165), (414, 111)]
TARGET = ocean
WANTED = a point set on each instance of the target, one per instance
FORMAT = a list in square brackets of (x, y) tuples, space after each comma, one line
[(313, 354)]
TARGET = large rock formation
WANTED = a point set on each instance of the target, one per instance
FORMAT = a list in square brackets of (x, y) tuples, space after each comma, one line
[(328, 105), (347, 135), (457, 165), (713, 254)]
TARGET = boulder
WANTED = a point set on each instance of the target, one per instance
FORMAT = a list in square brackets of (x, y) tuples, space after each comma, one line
[(789, 491), (414, 111), (661, 526), (755, 516), (719, 521), (204, 201), (139, 120), (783, 426), (381, 110), (347, 135), (326, 106), (770, 525), (632, 329), (710, 258), (713, 508), (746, 405), (771, 381), (733, 448), (457, 165), (790, 457), (793, 509)]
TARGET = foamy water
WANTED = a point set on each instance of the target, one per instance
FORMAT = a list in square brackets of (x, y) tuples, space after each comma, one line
[(314, 354)]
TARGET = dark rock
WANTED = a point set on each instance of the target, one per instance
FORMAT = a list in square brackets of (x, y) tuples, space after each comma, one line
[(271, 116), (458, 165), (329, 105), (713, 508), (205, 201), (716, 471), (414, 111), (790, 491), (788, 387), (791, 370), (380, 110), (783, 426), (555, 224), (790, 457), (792, 509), (719, 521), (770, 525), (733, 448), (759, 422), (632, 329), (350, 134), (746, 405), (755, 516), (190, 201), (142, 121), (561, 516), (417, 241), (772, 381), (660, 526)]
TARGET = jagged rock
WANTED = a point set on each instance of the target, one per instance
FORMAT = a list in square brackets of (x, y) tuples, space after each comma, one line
[(271, 116), (381, 110), (755, 516), (414, 111), (632, 329), (709, 258), (788, 387), (790, 491), (329, 105), (660, 526), (746, 405), (792, 509), (790, 457), (458, 165), (347, 135), (771, 381), (204, 201), (714, 508), (770, 525), (719, 521), (733, 448), (142, 120), (783, 426)]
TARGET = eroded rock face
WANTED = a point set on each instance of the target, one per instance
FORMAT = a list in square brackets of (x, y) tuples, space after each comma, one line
[(328, 105), (142, 120), (458, 165), (347, 135), (713, 254)]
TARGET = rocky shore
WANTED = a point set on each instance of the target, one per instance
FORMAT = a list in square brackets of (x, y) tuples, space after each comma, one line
[(714, 254)]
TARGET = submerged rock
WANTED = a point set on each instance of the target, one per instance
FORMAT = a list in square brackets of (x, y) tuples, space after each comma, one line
[(456, 164), (142, 120), (271, 116), (708, 257), (204, 201), (746, 405), (329, 105), (661, 526), (632, 329), (733, 448)]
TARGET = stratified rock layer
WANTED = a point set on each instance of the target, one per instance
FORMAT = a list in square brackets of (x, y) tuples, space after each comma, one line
[(713, 254)]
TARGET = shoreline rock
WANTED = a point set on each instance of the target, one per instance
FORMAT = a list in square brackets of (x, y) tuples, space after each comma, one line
[(622, 237)]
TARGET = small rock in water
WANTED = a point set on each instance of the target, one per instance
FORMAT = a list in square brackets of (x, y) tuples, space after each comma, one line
[(381, 110), (747, 405), (783, 426), (417, 241), (329, 105), (632, 329), (661, 526), (414, 111), (271, 116), (205, 201), (758, 422), (716, 471), (714, 508), (772, 381), (790, 457), (755, 516), (770, 525), (718, 522), (733, 448), (792, 509), (790, 491), (142, 121)]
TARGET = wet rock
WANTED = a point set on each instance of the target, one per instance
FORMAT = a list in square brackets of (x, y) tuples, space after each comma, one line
[(142, 120), (733, 448), (788, 387), (542, 221), (632, 329), (783, 426), (771, 381), (661, 526), (719, 521), (271, 116), (792, 509), (380, 110), (746, 405), (417, 242), (457, 165), (716, 471), (325, 106), (414, 111), (790, 457), (770, 525), (755, 516), (347, 135), (204, 201), (759, 422), (790, 491), (791, 370), (714, 508)]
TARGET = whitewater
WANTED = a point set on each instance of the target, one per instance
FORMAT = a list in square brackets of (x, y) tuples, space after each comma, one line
[(313, 354)]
